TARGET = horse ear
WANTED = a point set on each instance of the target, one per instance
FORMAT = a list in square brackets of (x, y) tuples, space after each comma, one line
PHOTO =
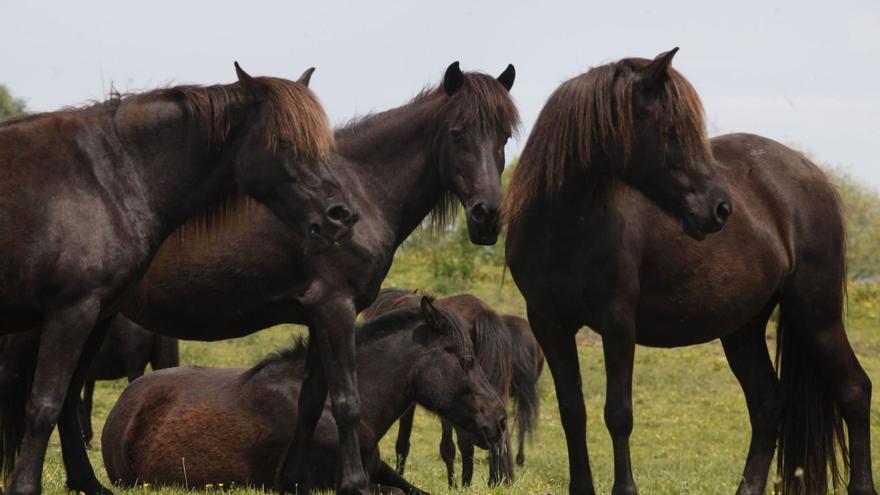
[(306, 77), (453, 79), (658, 70), (247, 82), (506, 78), (431, 315)]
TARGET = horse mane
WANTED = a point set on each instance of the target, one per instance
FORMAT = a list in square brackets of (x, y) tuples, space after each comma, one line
[(592, 114), (481, 102), (235, 208), (295, 115), (391, 298), (370, 331), (494, 350)]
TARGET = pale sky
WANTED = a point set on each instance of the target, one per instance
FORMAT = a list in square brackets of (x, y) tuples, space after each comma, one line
[(804, 73)]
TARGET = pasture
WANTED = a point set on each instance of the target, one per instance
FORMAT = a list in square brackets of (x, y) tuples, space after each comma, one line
[(691, 426)]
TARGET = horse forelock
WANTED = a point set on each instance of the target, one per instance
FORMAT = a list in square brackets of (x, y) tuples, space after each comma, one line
[(591, 113), (297, 118)]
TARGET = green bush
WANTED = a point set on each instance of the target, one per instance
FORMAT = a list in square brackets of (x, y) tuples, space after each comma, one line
[(9, 106)]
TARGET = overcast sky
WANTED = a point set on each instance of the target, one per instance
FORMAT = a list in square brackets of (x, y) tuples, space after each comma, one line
[(804, 73)]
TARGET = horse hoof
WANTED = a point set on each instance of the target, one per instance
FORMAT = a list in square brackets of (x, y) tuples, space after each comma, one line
[(91, 488)]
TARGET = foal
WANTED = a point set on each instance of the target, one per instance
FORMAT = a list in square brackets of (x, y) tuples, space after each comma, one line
[(193, 426), (511, 357)]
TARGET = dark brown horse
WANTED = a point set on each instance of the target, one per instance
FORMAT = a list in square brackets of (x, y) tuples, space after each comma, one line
[(193, 426), (125, 353), (87, 197), (616, 185), (511, 357), (246, 271)]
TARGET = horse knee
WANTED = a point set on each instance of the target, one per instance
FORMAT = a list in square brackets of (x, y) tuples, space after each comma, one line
[(768, 414), (42, 415), (346, 409), (619, 419)]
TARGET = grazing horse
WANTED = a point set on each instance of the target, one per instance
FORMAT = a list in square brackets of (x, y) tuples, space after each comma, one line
[(89, 194), (247, 272), (193, 426), (615, 187), (125, 353), (511, 357)]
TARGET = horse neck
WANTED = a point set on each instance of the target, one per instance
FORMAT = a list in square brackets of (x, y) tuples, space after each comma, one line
[(394, 153), (177, 167), (384, 376)]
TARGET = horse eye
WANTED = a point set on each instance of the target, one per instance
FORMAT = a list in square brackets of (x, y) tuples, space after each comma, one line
[(456, 133), (283, 145)]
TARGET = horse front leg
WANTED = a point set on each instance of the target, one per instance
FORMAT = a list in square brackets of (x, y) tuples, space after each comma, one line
[(404, 432), (80, 475), (618, 345), (62, 341), (334, 324), (560, 350), (294, 467)]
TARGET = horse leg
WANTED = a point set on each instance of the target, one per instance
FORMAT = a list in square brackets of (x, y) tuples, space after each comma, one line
[(852, 390), (618, 345), (80, 475), (560, 351), (293, 470), (85, 412), (747, 355), (387, 477), (466, 447), (447, 452), (334, 323), (404, 432), (520, 440), (61, 344)]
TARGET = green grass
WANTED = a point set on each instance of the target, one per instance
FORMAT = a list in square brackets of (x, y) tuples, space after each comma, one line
[(691, 426)]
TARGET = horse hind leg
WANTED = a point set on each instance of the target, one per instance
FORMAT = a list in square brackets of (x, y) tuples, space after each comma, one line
[(747, 355), (63, 338), (824, 374)]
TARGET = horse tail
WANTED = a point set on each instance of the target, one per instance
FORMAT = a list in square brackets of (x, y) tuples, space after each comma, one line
[(166, 352), (18, 363), (811, 431), (528, 362)]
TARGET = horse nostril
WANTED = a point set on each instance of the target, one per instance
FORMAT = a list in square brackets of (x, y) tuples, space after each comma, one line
[(341, 214), (722, 211), (480, 212)]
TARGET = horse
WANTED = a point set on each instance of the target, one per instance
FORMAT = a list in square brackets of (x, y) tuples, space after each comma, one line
[(88, 196), (624, 216), (507, 350), (247, 272), (125, 353), (232, 425)]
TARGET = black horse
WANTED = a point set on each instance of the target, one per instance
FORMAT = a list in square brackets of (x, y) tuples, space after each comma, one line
[(88, 195), (617, 183), (511, 357), (420, 354), (246, 271)]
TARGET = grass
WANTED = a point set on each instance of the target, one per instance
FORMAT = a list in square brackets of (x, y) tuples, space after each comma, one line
[(691, 426)]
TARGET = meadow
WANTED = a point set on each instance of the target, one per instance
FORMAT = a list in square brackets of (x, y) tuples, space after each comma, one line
[(691, 425)]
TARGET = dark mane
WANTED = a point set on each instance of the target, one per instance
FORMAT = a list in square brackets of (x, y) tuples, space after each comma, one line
[(481, 102), (391, 298), (592, 114), (370, 331)]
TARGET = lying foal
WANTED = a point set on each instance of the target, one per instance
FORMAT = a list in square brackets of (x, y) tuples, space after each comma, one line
[(194, 426)]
